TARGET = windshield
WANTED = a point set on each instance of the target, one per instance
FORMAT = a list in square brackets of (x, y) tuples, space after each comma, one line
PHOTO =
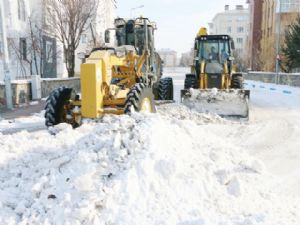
[(215, 50), (121, 36), (135, 37)]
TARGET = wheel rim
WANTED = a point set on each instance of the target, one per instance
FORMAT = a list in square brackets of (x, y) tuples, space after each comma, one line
[(146, 105)]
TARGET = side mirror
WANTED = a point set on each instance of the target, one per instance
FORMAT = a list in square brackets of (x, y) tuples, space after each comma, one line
[(107, 36)]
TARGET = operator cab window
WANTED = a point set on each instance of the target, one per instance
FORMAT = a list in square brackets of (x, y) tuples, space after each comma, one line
[(214, 50)]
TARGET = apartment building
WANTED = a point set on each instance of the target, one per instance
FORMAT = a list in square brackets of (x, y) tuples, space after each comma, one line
[(266, 16), (23, 16), (234, 22), (169, 57), (104, 19)]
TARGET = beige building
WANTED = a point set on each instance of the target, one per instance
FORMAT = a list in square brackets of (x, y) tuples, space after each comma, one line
[(169, 57), (234, 22)]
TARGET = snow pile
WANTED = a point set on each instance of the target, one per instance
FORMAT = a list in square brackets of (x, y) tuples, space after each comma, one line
[(62, 179), (29, 123), (144, 169), (181, 112), (225, 103)]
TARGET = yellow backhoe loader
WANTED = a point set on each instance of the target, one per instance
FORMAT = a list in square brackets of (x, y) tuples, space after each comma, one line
[(115, 80), (214, 85)]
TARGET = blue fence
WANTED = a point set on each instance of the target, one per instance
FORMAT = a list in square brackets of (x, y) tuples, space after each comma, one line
[(269, 88)]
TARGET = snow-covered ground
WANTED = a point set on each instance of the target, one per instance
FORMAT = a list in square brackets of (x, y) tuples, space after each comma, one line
[(32, 123), (174, 167)]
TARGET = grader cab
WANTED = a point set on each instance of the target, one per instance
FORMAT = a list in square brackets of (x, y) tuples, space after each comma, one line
[(114, 80)]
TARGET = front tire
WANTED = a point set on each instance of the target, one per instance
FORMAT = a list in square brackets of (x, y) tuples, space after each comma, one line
[(55, 106), (165, 89), (190, 81), (140, 99), (237, 81)]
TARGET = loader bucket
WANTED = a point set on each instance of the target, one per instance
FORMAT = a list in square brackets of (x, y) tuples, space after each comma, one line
[(225, 103)]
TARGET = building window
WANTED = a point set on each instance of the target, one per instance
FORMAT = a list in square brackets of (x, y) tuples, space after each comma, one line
[(23, 48), (239, 40), (239, 51), (241, 18), (50, 17), (228, 29), (21, 10), (240, 29), (290, 6), (49, 52), (84, 39)]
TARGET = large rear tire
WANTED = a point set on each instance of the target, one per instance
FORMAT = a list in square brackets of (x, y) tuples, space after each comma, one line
[(140, 99), (190, 81), (237, 81), (55, 106), (165, 89)]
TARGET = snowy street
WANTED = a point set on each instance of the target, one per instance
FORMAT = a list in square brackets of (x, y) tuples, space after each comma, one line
[(173, 167)]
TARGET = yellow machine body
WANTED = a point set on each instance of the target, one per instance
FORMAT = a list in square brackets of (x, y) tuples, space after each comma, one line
[(91, 93), (225, 76), (214, 85), (97, 94), (202, 32), (113, 80)]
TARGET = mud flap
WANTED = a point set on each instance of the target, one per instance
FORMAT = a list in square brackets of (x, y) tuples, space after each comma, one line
[(225, 103)]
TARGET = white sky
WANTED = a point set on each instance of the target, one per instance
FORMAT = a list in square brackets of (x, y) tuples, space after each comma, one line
[(178, 21)]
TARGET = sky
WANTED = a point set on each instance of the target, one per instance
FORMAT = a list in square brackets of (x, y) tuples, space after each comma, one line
[(178, 21)]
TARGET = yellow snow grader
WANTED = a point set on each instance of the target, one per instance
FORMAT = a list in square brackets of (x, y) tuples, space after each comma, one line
[(214, 85), (115, 80)]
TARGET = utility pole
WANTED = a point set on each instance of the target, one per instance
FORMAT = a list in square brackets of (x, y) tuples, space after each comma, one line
[(7, 78), (278, 42)]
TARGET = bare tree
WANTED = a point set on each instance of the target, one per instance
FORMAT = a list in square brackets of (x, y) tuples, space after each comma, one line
[(69, 19), (26, 50), (31, 58)]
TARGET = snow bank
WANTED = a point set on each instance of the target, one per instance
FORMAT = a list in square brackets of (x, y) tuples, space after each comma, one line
[(168, 168), (36, 121)]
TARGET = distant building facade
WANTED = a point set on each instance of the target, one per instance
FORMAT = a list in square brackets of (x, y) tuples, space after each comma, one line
[(187, 58), (16, 20), (264, 20), (169, 57), (255, 34), (234, 22), (19, 13)]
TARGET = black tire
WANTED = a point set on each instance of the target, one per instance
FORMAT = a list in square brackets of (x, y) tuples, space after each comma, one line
[(165, 89), (136, 97), (190, 81), (55, 111), (237, 81)]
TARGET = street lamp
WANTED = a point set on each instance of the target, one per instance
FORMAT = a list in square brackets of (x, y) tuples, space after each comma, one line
[(278, 41), (132, 9), (7, 77)]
